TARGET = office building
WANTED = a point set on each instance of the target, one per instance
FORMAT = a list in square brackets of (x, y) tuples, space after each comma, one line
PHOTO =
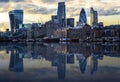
[(82, 17), (70, 22), (61, 13), (55, 19), (93, 17), (16, 18), (95, 23)]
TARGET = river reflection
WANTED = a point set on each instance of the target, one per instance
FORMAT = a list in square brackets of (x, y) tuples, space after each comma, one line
[(56, 62)]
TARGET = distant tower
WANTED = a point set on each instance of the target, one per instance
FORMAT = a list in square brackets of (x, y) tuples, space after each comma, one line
[(61, 13), (70, 22), (93, 17), (16, 18), (12, 24), (54, 19), (82, 17)]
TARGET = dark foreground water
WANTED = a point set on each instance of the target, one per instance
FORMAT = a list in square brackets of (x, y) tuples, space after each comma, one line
[(60, 62)]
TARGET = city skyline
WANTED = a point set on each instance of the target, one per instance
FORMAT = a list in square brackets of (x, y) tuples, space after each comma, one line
[(41, 10)]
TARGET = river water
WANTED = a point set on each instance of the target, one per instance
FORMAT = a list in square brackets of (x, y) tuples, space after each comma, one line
[(59, 62)]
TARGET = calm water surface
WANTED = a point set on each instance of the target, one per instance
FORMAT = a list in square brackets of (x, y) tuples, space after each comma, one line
[(59, 62)]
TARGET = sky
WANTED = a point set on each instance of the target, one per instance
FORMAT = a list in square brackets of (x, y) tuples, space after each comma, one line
[(41, 10)]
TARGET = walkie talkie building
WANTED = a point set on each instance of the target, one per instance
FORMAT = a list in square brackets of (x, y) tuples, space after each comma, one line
[(16, 18)]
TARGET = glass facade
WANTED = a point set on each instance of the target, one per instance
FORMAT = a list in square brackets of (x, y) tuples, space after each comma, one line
[(16, 18), (70, 22), (12, 24), (61, 14), (93, 17), (83, 18)]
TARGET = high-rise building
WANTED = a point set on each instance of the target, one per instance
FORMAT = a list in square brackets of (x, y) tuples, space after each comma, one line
[(101, 24), (93, 17), (82, 17), (70, 22), (16, 18), (55, 19), (61, 13), (12, 24)]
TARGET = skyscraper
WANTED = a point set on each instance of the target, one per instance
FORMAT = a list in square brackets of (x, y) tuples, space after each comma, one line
[(82, 17), (93, 17), (12, 24), (54, 19), (70, 22), (61, 13), (16, 18)]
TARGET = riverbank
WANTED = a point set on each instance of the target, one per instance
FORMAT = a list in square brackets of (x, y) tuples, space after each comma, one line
[(55, 40)]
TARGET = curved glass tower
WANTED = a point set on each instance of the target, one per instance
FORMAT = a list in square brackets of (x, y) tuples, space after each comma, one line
[(16, 18), (82, 17)]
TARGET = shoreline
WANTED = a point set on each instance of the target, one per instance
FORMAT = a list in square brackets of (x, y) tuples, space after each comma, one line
[(53, 40)]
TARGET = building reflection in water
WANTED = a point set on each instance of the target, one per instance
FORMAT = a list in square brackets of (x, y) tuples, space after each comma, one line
[(82, 64), (16, 62), (94, 63), (61, 66), (70, 59), (61, 54)]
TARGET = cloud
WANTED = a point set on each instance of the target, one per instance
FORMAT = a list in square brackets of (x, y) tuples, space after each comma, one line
[(35, 9), (49, 1), (4, 0), (41, 10), (5, 7), (50, 6), (18, 0), (12, 0), (113, 11)]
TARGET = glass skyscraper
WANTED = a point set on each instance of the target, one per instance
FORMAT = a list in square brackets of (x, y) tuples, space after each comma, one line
[(16, 18), (82, 17), (70, 22), (61, 13), (55, 19), (95, 23), (93, 17)]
